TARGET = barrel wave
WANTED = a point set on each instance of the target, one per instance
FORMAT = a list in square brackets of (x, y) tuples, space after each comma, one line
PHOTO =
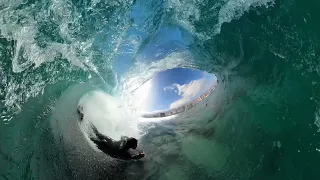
[(262, 121)]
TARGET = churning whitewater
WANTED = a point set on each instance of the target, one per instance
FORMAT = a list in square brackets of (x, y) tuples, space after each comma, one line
[(262, 121)]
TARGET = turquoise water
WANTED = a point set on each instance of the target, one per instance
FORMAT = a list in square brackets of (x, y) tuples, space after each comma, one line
[(262, 121)]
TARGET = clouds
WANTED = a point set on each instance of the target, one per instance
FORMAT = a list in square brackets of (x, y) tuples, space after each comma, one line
[(171, 88), (187, 91), (192, 89), (180, 102)]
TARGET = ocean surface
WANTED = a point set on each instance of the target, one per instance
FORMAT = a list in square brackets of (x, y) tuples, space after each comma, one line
[(261, 122)]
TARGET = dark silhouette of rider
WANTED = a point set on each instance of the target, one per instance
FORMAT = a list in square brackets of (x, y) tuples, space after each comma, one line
[(125, 149)]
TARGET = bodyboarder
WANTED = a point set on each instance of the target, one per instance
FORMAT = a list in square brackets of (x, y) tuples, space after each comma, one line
[(125, 148)]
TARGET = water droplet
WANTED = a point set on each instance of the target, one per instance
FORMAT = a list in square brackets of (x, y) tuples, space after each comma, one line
[(279, 144)]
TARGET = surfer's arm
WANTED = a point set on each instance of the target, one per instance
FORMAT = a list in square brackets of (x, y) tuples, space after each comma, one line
[(102, 137)]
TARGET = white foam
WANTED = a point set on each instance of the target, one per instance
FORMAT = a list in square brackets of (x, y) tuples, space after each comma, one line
[(23, 26), (159, 119), (25, 33), (108, 115), (317, 120), (234, 9), (185, 12)]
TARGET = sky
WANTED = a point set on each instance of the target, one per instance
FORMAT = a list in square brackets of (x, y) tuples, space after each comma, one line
[(170, 88), (173, 88)]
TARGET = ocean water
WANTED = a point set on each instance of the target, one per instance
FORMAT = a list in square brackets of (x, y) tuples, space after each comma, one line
[(261, 122)]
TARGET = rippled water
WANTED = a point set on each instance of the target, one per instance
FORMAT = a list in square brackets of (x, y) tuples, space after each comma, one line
[(261, 122)]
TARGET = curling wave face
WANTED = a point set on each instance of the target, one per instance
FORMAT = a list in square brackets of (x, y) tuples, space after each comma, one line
[(261, 122)]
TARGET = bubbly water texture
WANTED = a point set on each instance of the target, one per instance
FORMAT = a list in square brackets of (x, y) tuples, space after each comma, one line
[(261, 122), (107, 114)]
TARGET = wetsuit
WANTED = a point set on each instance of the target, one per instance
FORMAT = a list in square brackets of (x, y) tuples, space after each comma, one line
[(116, 149)]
